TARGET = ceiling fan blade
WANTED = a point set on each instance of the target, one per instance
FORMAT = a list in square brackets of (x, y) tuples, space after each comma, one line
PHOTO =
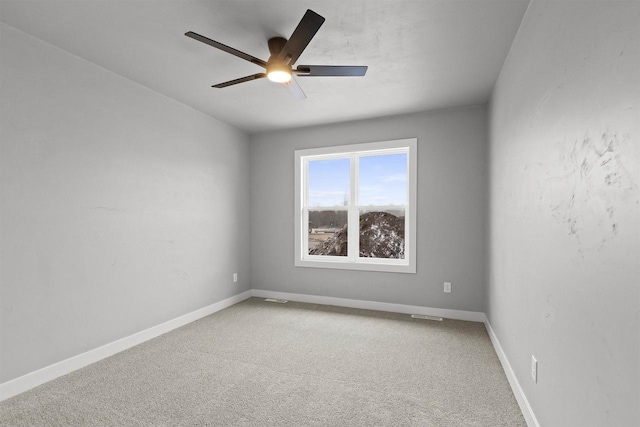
[(330, 70), (302, 35), (294, 90), (240, 80), (226, 48)]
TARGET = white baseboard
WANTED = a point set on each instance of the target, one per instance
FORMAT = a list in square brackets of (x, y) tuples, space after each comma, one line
[(526, 409), (33, 379), (473, 316)]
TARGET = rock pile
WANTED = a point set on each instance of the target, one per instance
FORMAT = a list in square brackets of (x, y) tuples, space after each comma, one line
[(381, 236)]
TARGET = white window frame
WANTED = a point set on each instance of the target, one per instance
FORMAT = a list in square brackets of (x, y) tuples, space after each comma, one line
[(354, 261)]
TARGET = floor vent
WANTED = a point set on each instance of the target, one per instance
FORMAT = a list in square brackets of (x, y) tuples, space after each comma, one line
[(425, 317), (279, 301)]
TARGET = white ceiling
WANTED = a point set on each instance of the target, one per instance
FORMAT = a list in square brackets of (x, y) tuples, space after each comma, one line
[(422, 55)]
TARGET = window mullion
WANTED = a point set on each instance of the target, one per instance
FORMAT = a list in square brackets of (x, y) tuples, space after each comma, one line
[(354, 225)]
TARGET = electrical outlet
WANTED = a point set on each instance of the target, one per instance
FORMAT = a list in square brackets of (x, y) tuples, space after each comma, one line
[(534, 369), (235, 277), (447, 287)]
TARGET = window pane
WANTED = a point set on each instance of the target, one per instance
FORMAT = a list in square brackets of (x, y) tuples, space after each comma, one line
[(383, 180), (328, 233), (382, 233), (329, 182)]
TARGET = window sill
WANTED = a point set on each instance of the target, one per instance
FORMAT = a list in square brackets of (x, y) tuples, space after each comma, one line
[(360, 266)]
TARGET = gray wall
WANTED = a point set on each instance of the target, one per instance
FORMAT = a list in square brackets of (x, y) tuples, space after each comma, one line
[(451, 211), (121, 208), (564, 277)]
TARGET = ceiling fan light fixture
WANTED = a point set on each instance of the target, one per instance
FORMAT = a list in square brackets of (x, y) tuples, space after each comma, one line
[(278, 72), (279, 76)]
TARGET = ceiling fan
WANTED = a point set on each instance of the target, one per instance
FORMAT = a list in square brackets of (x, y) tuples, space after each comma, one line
[(284, 53)]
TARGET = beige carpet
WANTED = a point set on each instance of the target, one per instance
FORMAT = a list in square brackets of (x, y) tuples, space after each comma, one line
[(266, 364)]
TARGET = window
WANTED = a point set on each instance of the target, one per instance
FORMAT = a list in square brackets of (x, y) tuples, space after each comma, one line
[(355, 206)]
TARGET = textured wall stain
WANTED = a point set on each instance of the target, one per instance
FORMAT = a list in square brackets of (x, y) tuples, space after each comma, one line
[(549, 312), (583, 189)]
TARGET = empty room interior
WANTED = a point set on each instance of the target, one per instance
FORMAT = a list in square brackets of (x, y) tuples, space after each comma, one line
[(436, 225)]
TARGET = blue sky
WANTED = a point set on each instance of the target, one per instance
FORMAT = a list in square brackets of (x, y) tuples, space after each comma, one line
[(383, 181)]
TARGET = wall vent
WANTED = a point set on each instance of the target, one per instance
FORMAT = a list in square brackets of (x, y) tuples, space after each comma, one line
[(425, 317), (279, 301)]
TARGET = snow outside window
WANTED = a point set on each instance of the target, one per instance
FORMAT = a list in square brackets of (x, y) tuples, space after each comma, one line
[(355, 206)]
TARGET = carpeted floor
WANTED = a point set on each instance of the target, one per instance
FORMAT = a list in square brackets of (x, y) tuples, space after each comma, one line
[(265, 364)]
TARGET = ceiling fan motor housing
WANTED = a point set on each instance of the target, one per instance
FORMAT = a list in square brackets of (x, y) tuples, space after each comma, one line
[(275, 45)]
